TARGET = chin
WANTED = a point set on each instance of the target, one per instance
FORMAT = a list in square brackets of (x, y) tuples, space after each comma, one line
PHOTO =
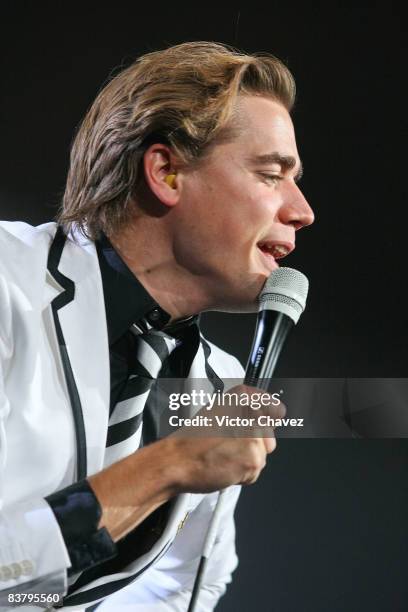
[(237, 308), (238, 290), (242, 300)]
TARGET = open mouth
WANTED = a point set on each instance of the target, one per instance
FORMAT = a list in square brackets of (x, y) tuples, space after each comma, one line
[(272, 251), (277, 251)]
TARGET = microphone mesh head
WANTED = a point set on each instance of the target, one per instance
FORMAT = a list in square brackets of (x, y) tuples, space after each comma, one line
[(285, 291)]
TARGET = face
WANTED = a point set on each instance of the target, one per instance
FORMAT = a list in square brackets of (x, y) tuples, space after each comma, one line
[(240, 209)]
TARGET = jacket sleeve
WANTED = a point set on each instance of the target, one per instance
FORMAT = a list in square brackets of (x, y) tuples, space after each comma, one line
[(40, 539), (32, 549)]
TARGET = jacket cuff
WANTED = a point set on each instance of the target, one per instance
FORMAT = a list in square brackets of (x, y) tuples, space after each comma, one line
[(78, 513)]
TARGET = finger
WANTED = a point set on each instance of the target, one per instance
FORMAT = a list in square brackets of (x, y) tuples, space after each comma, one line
[(270, 444), (276, 411)]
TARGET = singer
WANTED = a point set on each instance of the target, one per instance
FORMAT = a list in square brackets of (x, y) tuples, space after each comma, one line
[(181, 196)]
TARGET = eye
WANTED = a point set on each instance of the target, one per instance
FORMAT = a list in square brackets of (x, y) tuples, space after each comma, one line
[(271, 178)]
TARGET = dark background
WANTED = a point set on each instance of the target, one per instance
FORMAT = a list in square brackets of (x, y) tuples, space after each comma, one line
[(325, 527)]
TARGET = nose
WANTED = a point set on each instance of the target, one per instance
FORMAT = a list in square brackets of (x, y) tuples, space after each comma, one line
[(296, 210)]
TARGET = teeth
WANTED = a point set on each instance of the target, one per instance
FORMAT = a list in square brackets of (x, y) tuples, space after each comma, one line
[(279, 251), (276, 251)]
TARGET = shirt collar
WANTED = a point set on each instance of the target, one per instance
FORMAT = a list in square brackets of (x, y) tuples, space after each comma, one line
[(127, 302)]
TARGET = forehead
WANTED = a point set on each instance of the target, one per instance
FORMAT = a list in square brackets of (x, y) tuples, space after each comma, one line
[(264, 126)]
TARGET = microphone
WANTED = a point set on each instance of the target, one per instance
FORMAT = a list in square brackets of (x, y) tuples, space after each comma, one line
[(281, 302)]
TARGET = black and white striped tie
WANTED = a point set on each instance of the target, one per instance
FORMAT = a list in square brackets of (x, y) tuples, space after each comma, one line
[(125, 423)]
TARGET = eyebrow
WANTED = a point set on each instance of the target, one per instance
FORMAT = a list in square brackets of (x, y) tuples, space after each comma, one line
[(286, 161)]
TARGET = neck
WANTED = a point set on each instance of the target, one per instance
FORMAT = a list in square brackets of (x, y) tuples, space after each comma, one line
[(153, 262)]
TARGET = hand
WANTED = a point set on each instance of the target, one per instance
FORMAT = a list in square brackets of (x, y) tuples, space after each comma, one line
[(202, 464), (134, 487)]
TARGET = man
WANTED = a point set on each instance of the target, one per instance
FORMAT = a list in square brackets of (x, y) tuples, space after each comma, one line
[(181, 196)]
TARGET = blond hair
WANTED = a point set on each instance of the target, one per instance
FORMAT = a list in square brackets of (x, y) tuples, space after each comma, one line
[(183, 96)]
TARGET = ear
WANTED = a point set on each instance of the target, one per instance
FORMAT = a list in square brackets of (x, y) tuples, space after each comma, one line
[(161, 174)]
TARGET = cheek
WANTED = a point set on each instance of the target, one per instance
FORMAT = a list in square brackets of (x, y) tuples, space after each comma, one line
[(226, 214), (248, 218), (233, 203)]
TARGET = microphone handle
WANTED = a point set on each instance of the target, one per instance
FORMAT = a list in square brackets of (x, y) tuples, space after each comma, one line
[(271, 332)]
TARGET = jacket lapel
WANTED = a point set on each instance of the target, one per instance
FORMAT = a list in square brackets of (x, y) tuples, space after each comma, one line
[(79, 311)]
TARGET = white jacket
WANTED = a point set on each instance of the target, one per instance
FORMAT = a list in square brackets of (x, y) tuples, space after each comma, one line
[(38, 435)]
